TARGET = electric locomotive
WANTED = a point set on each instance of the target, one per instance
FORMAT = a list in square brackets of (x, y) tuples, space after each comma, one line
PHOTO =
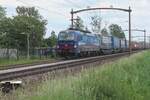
[(77, 43), (73, 42)]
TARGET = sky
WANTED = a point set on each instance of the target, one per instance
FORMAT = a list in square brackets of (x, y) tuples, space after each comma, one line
[(57, 13)]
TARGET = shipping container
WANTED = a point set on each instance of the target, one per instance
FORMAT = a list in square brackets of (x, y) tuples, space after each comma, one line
[(106, 42), (122, 43), (127, 44), (115, 43)]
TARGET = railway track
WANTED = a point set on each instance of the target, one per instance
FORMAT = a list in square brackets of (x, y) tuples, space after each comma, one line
[(10, 74), (30, 64)]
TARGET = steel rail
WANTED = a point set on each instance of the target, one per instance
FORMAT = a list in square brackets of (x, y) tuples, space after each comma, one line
[(3, 67), (10, 74)]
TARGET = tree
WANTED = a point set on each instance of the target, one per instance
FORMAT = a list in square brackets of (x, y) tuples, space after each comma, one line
[(96, 24), (30, 12), (86, 29), (116, 30), (79, 23), (3, 25), (2, 13), (46, 42), (104, 32), (53, 39), (8, 34), (29, 22), (14, 31)]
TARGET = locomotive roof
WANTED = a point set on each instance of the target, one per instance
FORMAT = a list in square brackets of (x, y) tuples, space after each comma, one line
[(87, 33), (79, 32)]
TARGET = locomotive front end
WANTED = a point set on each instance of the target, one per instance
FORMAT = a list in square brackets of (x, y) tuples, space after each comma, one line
[(67, 44)]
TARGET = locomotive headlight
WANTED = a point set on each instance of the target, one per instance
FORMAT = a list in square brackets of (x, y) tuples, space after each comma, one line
[(75, 46), (57, 46)]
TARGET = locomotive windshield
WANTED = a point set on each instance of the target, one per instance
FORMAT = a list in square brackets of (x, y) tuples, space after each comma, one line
[(66, 36)]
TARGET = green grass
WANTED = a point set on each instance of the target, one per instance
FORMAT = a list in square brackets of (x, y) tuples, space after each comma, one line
[(22, 60), (126, 79)]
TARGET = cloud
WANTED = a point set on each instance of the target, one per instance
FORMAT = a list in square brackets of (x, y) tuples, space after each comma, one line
[(57, 12), (9, 3)]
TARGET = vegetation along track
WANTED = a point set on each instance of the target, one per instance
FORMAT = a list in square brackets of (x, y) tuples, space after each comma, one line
[(31, 64), (9, 74)]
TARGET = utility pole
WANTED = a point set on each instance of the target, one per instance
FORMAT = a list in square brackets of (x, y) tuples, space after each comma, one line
[(149, 42), (144, 31), (72, 18), (28, 46), (144, 39), (130, 47)]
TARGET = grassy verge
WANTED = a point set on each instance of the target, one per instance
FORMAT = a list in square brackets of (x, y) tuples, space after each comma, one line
[(126, 79), (6, 62)]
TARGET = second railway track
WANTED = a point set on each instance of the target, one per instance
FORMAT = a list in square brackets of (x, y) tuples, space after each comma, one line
[(4, 67), (10, 74)]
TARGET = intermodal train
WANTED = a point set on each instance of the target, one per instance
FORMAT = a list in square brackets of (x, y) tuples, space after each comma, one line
[(77, 43)]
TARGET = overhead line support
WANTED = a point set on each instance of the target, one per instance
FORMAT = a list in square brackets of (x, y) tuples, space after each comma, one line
[(111, 8)]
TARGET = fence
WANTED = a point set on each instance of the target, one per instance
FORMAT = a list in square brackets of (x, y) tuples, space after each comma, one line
[(38, 52), (8, 53), (45, 52)]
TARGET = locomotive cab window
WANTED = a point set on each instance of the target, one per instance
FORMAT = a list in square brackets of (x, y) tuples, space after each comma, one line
[(67, 36)]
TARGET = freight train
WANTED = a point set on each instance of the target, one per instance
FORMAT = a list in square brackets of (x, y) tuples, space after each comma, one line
[(79, 43)]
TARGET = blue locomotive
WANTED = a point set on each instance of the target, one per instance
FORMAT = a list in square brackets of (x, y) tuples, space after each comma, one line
[(77, 43)]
